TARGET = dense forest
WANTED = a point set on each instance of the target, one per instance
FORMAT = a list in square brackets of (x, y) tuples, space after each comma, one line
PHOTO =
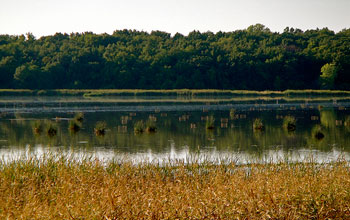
[(253, 59)]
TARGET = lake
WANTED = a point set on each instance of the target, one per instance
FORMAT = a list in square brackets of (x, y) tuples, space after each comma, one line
[(181, 128)]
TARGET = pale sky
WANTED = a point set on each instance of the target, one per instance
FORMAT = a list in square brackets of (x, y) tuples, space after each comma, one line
[(46, 17)]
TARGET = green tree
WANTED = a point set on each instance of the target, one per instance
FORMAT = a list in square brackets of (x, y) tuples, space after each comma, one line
[(329, 73), (29, 76)]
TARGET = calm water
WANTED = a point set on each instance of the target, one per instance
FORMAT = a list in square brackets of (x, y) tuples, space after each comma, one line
[(181, 128)]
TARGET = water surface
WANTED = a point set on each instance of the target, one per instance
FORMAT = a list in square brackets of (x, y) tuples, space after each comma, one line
[(181, 127)]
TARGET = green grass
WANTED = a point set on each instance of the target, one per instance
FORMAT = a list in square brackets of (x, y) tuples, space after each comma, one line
[(58, 187), (175, 92)]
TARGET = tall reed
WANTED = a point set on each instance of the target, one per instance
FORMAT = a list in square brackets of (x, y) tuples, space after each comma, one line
[(57, 187)]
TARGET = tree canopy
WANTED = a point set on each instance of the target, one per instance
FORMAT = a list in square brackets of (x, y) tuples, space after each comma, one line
[(254, 59)]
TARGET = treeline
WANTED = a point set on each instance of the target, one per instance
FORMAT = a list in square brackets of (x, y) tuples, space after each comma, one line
[(250, 59)]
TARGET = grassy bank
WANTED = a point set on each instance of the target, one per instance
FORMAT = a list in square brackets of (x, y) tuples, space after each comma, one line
[(49, 188), (175, 92)]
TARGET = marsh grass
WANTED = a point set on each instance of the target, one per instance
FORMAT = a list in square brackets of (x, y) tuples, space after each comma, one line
[(318, 132), (37, 127), (347, 121), (139, 127), (151, 126), (289, 123), (100, 128), (232, 113), (79, 117), (57, 187), (258, 125), (173, 92), (210, 122), (74, 126), (51, 128)]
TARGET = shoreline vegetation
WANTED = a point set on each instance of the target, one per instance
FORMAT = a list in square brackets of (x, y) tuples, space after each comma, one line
[(254, 58), (59, 187), (174, 92)]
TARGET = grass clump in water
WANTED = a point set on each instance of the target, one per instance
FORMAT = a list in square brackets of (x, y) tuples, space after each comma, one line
[(289, 123), (139, 127), (100, 128), (37, 127), (210, 123), (232, 113), (151, 126), (76, 123), (74, 126), (79, 117), (51, 129), (258, 125), (317, 132), (347, 121)]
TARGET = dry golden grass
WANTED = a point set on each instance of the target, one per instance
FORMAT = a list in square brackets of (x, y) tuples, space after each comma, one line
[(50, 188)]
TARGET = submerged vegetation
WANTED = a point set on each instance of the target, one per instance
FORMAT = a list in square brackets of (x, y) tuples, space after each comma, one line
[(57, 187)]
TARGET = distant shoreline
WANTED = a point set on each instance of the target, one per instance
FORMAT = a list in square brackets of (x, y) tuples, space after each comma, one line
[(174, 92)]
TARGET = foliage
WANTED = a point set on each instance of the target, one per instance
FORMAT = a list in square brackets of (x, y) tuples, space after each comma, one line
[(251, 59), (329, 73)]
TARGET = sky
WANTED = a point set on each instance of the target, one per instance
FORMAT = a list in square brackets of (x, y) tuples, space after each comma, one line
[(46, 17)]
